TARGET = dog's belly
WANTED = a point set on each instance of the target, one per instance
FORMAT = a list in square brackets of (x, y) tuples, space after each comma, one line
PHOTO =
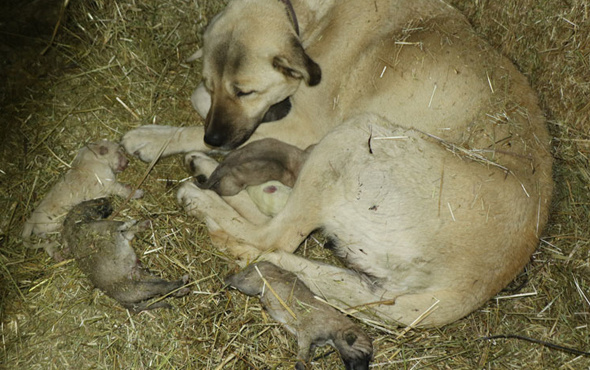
[(379, 227), (409, 212)]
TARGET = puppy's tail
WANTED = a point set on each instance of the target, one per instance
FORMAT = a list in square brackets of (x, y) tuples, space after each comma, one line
[(196, 56)]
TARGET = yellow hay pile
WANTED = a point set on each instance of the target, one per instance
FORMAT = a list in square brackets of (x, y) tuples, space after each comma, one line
[(115, 65)]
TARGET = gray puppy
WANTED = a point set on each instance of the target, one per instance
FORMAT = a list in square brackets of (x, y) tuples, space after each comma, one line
[(315, 323), (254, 164), (102, 251)]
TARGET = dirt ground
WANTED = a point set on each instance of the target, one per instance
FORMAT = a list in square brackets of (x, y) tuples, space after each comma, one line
[(115, 65)]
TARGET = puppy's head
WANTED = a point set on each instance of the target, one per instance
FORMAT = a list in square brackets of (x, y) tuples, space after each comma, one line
[(253, 62), (355, 347), (105, 152)]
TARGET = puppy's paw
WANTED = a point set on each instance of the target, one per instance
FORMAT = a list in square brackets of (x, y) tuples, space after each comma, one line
[(147, 141), (184, 290), (200, 165), (137, 194)]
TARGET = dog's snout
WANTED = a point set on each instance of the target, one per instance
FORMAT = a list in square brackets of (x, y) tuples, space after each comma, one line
[(214, 139)]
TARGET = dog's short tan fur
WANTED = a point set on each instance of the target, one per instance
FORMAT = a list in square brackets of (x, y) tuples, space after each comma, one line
[(432, 171), (92, 175)]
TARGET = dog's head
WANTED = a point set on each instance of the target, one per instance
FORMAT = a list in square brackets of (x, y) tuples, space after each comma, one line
[(253, 62)]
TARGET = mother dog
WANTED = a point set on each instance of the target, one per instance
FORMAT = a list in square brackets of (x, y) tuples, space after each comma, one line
[(432, 172)]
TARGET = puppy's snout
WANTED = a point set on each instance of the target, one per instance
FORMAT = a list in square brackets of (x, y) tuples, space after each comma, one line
[(123, 163)]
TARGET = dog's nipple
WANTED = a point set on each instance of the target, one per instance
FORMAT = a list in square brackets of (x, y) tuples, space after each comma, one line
[(270, 189)]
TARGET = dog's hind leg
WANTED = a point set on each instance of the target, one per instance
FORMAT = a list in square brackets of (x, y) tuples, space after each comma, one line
[(283, 232), (360, 296), (318, 187)]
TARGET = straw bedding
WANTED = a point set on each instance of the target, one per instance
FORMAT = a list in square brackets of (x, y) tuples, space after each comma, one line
[(115, 65)]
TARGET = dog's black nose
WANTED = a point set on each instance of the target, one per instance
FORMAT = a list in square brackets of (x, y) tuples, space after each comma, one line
[(214, 139)]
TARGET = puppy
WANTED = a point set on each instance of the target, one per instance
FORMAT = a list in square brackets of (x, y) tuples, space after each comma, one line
[(289, 301), (256, 163), (102, 251), (267, 169), (92, 175)]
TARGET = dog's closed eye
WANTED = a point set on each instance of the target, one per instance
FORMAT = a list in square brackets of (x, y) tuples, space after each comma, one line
[(240, 93)]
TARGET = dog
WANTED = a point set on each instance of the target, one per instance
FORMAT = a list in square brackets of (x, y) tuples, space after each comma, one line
[(102, 251), (266, 169), (254, 164), (315, 323), (431, 172), (92, 175)]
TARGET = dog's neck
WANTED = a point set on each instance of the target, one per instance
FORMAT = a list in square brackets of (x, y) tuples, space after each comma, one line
[(292, 14)]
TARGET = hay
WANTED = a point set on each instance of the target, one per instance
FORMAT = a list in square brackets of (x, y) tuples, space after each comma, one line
[(115, 65)]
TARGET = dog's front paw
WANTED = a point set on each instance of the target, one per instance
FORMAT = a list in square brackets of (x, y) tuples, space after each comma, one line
[(191, 198), (243, 252), (148, 141)]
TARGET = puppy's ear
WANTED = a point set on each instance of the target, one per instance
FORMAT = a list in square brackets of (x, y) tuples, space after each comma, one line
[(103, 150), (98, 149), (297, 64), (197, 55)]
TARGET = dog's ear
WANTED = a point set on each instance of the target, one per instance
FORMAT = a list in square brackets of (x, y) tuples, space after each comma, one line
[(297, 64)]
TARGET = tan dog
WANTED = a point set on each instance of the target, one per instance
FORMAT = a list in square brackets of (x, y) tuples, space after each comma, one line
[(92, 175), (432, 172)]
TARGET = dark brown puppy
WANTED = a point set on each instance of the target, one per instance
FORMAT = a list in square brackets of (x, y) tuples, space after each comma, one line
[(289, 301), (254, 164), (102, 251)]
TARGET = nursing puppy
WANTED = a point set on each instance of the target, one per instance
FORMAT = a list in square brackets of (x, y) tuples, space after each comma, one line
[(102, 251), (315, 323), (253, 168), (432, 170), (92, 175), (254, 164)]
